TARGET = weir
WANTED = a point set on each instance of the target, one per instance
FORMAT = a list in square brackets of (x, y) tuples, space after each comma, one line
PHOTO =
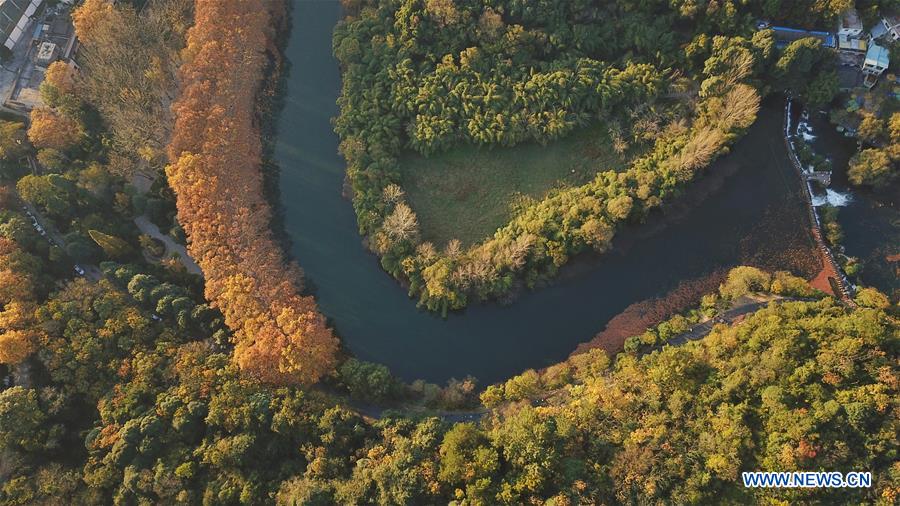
[(844, 287)]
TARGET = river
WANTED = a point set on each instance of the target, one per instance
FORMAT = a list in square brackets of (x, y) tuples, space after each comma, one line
[(746, 211), (871, 221)]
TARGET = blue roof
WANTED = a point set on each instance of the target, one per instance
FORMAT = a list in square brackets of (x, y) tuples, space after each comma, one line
[(792, 34), (877, 55)]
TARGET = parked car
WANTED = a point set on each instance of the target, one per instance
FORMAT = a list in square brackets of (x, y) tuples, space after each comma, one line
[(79, 270)]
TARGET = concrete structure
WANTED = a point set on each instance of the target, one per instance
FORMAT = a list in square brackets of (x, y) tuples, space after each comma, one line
[(852, 44), (15, 16), (876, 62), (850, 25), (878, 30), (47, 54), (891, 23)]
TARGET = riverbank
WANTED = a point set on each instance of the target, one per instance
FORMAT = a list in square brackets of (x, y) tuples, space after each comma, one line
[(745, 210), (216, 173)]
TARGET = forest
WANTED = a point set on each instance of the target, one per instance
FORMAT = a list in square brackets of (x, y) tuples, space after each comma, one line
[(157, 417), (129, 376)]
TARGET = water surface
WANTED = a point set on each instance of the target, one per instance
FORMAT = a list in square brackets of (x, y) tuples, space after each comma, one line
[(747, 211)]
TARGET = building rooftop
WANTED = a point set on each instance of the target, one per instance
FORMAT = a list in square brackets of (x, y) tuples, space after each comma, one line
[(849, 44), (14, 18), (877, 56), (850, 20)]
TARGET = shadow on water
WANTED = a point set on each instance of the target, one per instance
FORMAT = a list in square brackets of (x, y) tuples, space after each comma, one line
[(746, 211)]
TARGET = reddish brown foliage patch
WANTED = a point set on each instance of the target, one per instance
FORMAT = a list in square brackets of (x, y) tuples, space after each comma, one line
[(638, 317)]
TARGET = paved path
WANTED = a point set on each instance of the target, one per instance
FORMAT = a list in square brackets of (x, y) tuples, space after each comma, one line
[(142, 183), (172, 247)]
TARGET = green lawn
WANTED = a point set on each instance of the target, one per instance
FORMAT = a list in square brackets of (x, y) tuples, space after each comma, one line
[(466, 193)]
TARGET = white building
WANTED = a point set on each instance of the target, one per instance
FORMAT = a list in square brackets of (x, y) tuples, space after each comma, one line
[(850, 26), (877, 60), (891, 23)]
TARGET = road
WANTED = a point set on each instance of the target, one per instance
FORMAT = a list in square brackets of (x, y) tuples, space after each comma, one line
[(172, 247), (91, 271)]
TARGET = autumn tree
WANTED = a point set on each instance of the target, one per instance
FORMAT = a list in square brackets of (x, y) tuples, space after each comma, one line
[(50, 129), (113, 246), (280, 336), (872, 167), (129, 60), (13, 141), (58, 88)]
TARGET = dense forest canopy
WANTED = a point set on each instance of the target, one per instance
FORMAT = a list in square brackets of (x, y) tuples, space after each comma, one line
[(796, 386), (216, 173)]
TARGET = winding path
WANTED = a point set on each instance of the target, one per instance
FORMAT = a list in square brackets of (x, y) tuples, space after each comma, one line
[(172, 247), (142, 184)]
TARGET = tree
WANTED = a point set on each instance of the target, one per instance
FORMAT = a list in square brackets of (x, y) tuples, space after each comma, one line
[(368, 381), (52, 193), (870, 297), (52, 160), (52, 130), (80, 248), (21, 420), (401, 224), (871, 129), (743, 280), (13, 141), (16, 346), (280, 337), (129, 60), (806, 68), (444, 12), (58, 88), (467, 458), (111, 245), (871, 167)]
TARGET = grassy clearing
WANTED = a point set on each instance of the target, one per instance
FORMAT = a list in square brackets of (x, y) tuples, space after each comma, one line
[(467, 192)]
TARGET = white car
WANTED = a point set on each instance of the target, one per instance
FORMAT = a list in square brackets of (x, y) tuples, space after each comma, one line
[(79, 270)]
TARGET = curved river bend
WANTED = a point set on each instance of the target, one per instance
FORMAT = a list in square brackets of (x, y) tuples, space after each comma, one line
[(750, 213)]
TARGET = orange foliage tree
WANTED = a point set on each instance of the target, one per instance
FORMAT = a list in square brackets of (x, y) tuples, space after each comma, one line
[(215, 170), (18, 334), (52, 130)]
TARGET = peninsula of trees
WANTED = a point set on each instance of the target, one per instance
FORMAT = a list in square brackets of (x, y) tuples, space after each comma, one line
[(421, 77)]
